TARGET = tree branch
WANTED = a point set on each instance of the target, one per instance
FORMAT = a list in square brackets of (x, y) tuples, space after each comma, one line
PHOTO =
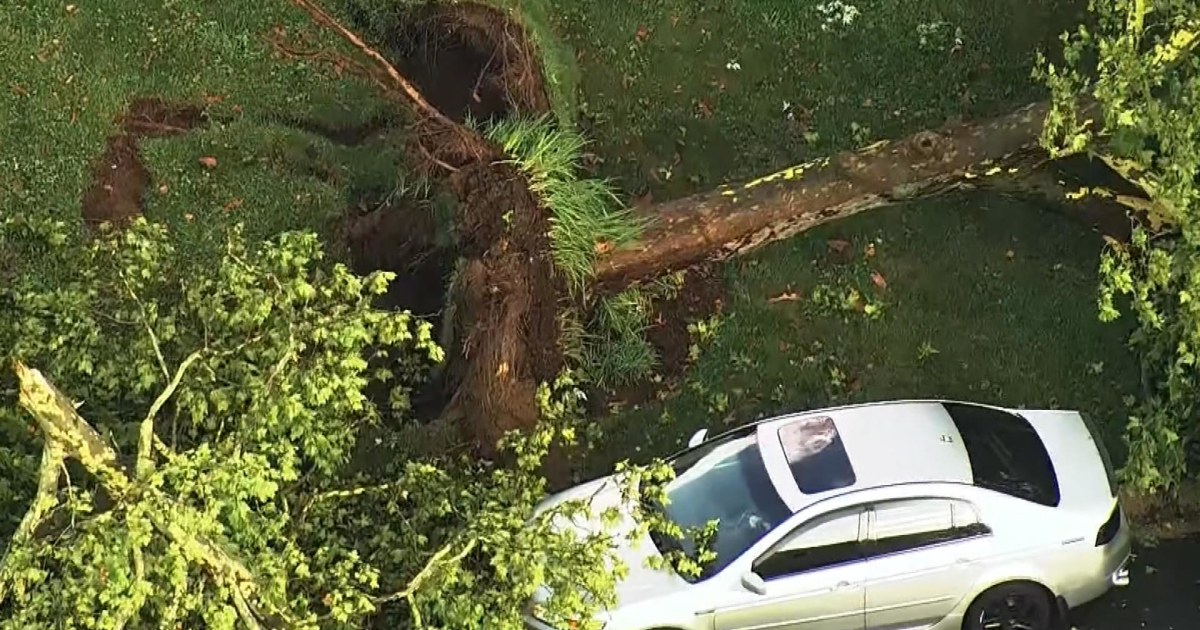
[(324, 19), (43, 502), (72, 436), (438, 559), (145, 463)]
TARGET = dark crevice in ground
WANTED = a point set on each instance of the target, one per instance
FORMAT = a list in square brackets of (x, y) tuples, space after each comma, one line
[(343, 135)]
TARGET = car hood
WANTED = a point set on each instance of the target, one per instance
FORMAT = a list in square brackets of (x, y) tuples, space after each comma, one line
[(642, 583)]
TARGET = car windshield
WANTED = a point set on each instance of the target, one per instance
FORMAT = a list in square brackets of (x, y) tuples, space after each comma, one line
[(723, 481)]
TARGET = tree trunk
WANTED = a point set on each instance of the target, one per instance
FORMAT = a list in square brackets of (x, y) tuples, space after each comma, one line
[(737, 218)]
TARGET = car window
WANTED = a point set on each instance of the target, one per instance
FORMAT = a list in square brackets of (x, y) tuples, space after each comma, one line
[(1005, 453), (725, 481), (822, 542), (815, 455), (905, 525)]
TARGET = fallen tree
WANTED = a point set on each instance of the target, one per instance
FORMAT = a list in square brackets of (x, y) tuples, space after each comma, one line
[(738, 218)]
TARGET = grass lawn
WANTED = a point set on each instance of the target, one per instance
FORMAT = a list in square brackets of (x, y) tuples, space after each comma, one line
[(987, 299), (681, 95), (80, 67)]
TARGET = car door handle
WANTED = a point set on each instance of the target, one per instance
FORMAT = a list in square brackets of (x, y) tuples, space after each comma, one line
[(841, 585)]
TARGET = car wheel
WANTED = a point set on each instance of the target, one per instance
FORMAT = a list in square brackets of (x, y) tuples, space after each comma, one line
[(1019, 606)]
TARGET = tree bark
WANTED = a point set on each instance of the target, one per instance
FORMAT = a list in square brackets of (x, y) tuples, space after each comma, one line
[(738, 218)]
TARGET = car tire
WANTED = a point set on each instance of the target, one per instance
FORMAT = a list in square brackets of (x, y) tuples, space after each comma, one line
[(1014, 606)]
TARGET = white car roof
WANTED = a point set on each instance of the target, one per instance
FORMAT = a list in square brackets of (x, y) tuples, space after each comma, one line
[(886, 444)]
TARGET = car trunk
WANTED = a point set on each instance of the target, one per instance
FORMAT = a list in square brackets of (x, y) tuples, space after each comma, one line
[(1085, 477)]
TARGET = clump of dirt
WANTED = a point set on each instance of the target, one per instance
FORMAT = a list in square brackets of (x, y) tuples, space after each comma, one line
[(700, 296), (470, 60), (507, 298), (119, 179)]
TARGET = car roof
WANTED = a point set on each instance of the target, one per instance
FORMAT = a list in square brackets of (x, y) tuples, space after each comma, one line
[(901, 442)]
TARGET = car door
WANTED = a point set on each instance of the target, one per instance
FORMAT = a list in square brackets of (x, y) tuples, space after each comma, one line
[(921, 557), (813, 579)]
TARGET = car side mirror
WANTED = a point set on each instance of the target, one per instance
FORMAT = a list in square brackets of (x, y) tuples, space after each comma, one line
[(754, 583), (697, 438)]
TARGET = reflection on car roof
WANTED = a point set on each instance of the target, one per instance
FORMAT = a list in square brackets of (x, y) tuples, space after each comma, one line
[(816, 455)]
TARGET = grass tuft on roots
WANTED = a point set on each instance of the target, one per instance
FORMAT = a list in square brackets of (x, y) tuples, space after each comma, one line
[(587, 218)]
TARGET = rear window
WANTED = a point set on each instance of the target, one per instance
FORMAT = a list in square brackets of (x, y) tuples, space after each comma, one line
[(816, 455), (1006, 453)]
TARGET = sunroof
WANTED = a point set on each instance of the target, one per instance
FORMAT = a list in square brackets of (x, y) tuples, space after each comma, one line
[(816, 455)]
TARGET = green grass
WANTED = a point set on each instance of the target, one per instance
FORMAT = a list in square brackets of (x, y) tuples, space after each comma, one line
[(961, 318), (585, 214), (617, 353), (872, 79), (80, 69)]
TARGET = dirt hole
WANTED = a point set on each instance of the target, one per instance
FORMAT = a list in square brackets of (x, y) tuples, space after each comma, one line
[(119, 178), (469, 60)]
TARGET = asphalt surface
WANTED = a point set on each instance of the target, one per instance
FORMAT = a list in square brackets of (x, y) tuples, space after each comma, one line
[(1163, 594)]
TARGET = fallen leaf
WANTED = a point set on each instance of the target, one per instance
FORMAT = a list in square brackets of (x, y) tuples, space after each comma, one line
[(189, 217), (878, 280), (674, 20), (162, 190), (784, 346), (603, 247), (870, 251), (1010, 254), (233, 205), (71, 9), (643, 34), (213, 99), (705, 109), (787, 296), (208, 162)]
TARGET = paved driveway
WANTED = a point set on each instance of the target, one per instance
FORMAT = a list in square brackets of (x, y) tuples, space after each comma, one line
[(1164, 593)]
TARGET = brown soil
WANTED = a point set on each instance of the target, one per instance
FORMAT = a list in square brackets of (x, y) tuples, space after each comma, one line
[(702, 295), (470, 60), (119, 178), (507, 298)]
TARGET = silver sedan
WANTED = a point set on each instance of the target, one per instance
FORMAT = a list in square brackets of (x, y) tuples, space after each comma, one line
[(907, 515)]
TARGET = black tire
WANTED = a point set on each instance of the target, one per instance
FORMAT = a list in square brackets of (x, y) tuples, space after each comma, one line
[(1016, 606)]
